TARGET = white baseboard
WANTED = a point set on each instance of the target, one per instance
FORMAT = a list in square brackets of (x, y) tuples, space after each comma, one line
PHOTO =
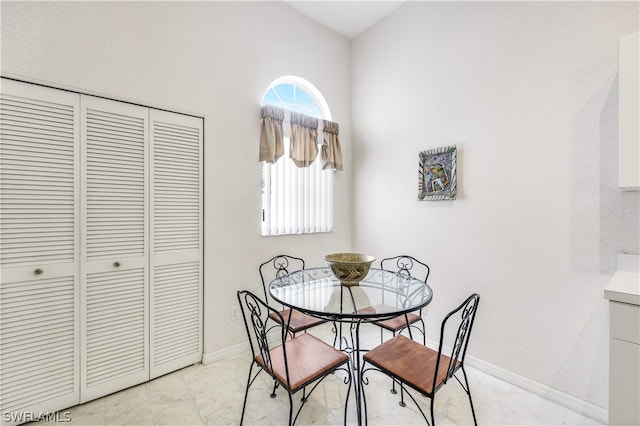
[(585, 408), (228, 352)]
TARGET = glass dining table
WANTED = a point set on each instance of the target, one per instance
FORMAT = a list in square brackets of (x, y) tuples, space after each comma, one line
[(380, 295)]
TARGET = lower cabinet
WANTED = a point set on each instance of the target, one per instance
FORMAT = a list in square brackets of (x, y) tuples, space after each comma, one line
[(101, 234), (624, 363), (623, 294)]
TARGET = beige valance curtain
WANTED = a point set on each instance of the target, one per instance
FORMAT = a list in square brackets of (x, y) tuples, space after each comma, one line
[(331, 149), (303, 147), (271, 135)]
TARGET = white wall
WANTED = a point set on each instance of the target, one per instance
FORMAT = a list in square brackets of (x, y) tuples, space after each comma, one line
[(215, 59), (528, 93)]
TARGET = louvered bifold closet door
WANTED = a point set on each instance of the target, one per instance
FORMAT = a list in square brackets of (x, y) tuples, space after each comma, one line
[(39, 250), (176, 241), (115, 252)]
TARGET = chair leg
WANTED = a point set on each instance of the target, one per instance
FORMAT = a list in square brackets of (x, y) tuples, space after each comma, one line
[(393, 386), (275, 386), (290, 409), (246, 393), (433, 418), (473, 411)]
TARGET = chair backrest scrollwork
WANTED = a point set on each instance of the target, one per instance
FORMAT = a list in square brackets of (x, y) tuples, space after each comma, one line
[(407, 266), (277, 267), (455, 346), (259, 322)]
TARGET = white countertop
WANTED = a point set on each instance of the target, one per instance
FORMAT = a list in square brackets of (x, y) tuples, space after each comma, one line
[(624, 285)]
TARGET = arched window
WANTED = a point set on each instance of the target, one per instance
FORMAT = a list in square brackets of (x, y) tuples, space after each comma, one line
[(296, 200), (297, 94)]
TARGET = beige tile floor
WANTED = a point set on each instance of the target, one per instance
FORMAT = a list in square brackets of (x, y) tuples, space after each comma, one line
[(212, 395)]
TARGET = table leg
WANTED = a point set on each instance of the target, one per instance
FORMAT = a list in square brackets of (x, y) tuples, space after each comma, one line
[(361, 403), (354, 351)]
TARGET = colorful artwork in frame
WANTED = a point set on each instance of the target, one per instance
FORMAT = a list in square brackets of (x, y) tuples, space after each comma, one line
[(437, 174)]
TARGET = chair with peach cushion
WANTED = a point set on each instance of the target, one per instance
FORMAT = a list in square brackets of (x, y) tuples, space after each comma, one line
[(423, 369), (408, 266), (294, 363), (277, 267), (411, 267)]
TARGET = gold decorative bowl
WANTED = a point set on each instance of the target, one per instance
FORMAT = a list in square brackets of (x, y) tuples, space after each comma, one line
[(349, 268)]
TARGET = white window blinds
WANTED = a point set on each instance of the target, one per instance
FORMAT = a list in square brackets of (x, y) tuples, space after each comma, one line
[(297, 188)]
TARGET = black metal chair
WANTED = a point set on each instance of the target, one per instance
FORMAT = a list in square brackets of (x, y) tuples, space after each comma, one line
[(276, 267), (294, 363), (423, 369), (408, 266)]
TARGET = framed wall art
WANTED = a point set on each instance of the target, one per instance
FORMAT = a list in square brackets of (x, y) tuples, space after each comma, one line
[(437, 174)]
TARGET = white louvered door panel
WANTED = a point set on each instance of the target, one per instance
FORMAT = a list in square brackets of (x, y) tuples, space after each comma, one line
[(39, 250), (176, 268), (115, 344)]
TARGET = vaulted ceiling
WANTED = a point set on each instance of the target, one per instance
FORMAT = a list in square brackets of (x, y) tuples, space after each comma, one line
[(350, 17)]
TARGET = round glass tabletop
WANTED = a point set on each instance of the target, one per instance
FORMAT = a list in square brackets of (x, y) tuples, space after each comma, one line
[(381, 294)]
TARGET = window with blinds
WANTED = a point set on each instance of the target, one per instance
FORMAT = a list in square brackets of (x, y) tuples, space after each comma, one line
[(296, 200)]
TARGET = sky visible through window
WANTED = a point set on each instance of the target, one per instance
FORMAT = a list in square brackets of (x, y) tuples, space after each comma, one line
[(293, 98)]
